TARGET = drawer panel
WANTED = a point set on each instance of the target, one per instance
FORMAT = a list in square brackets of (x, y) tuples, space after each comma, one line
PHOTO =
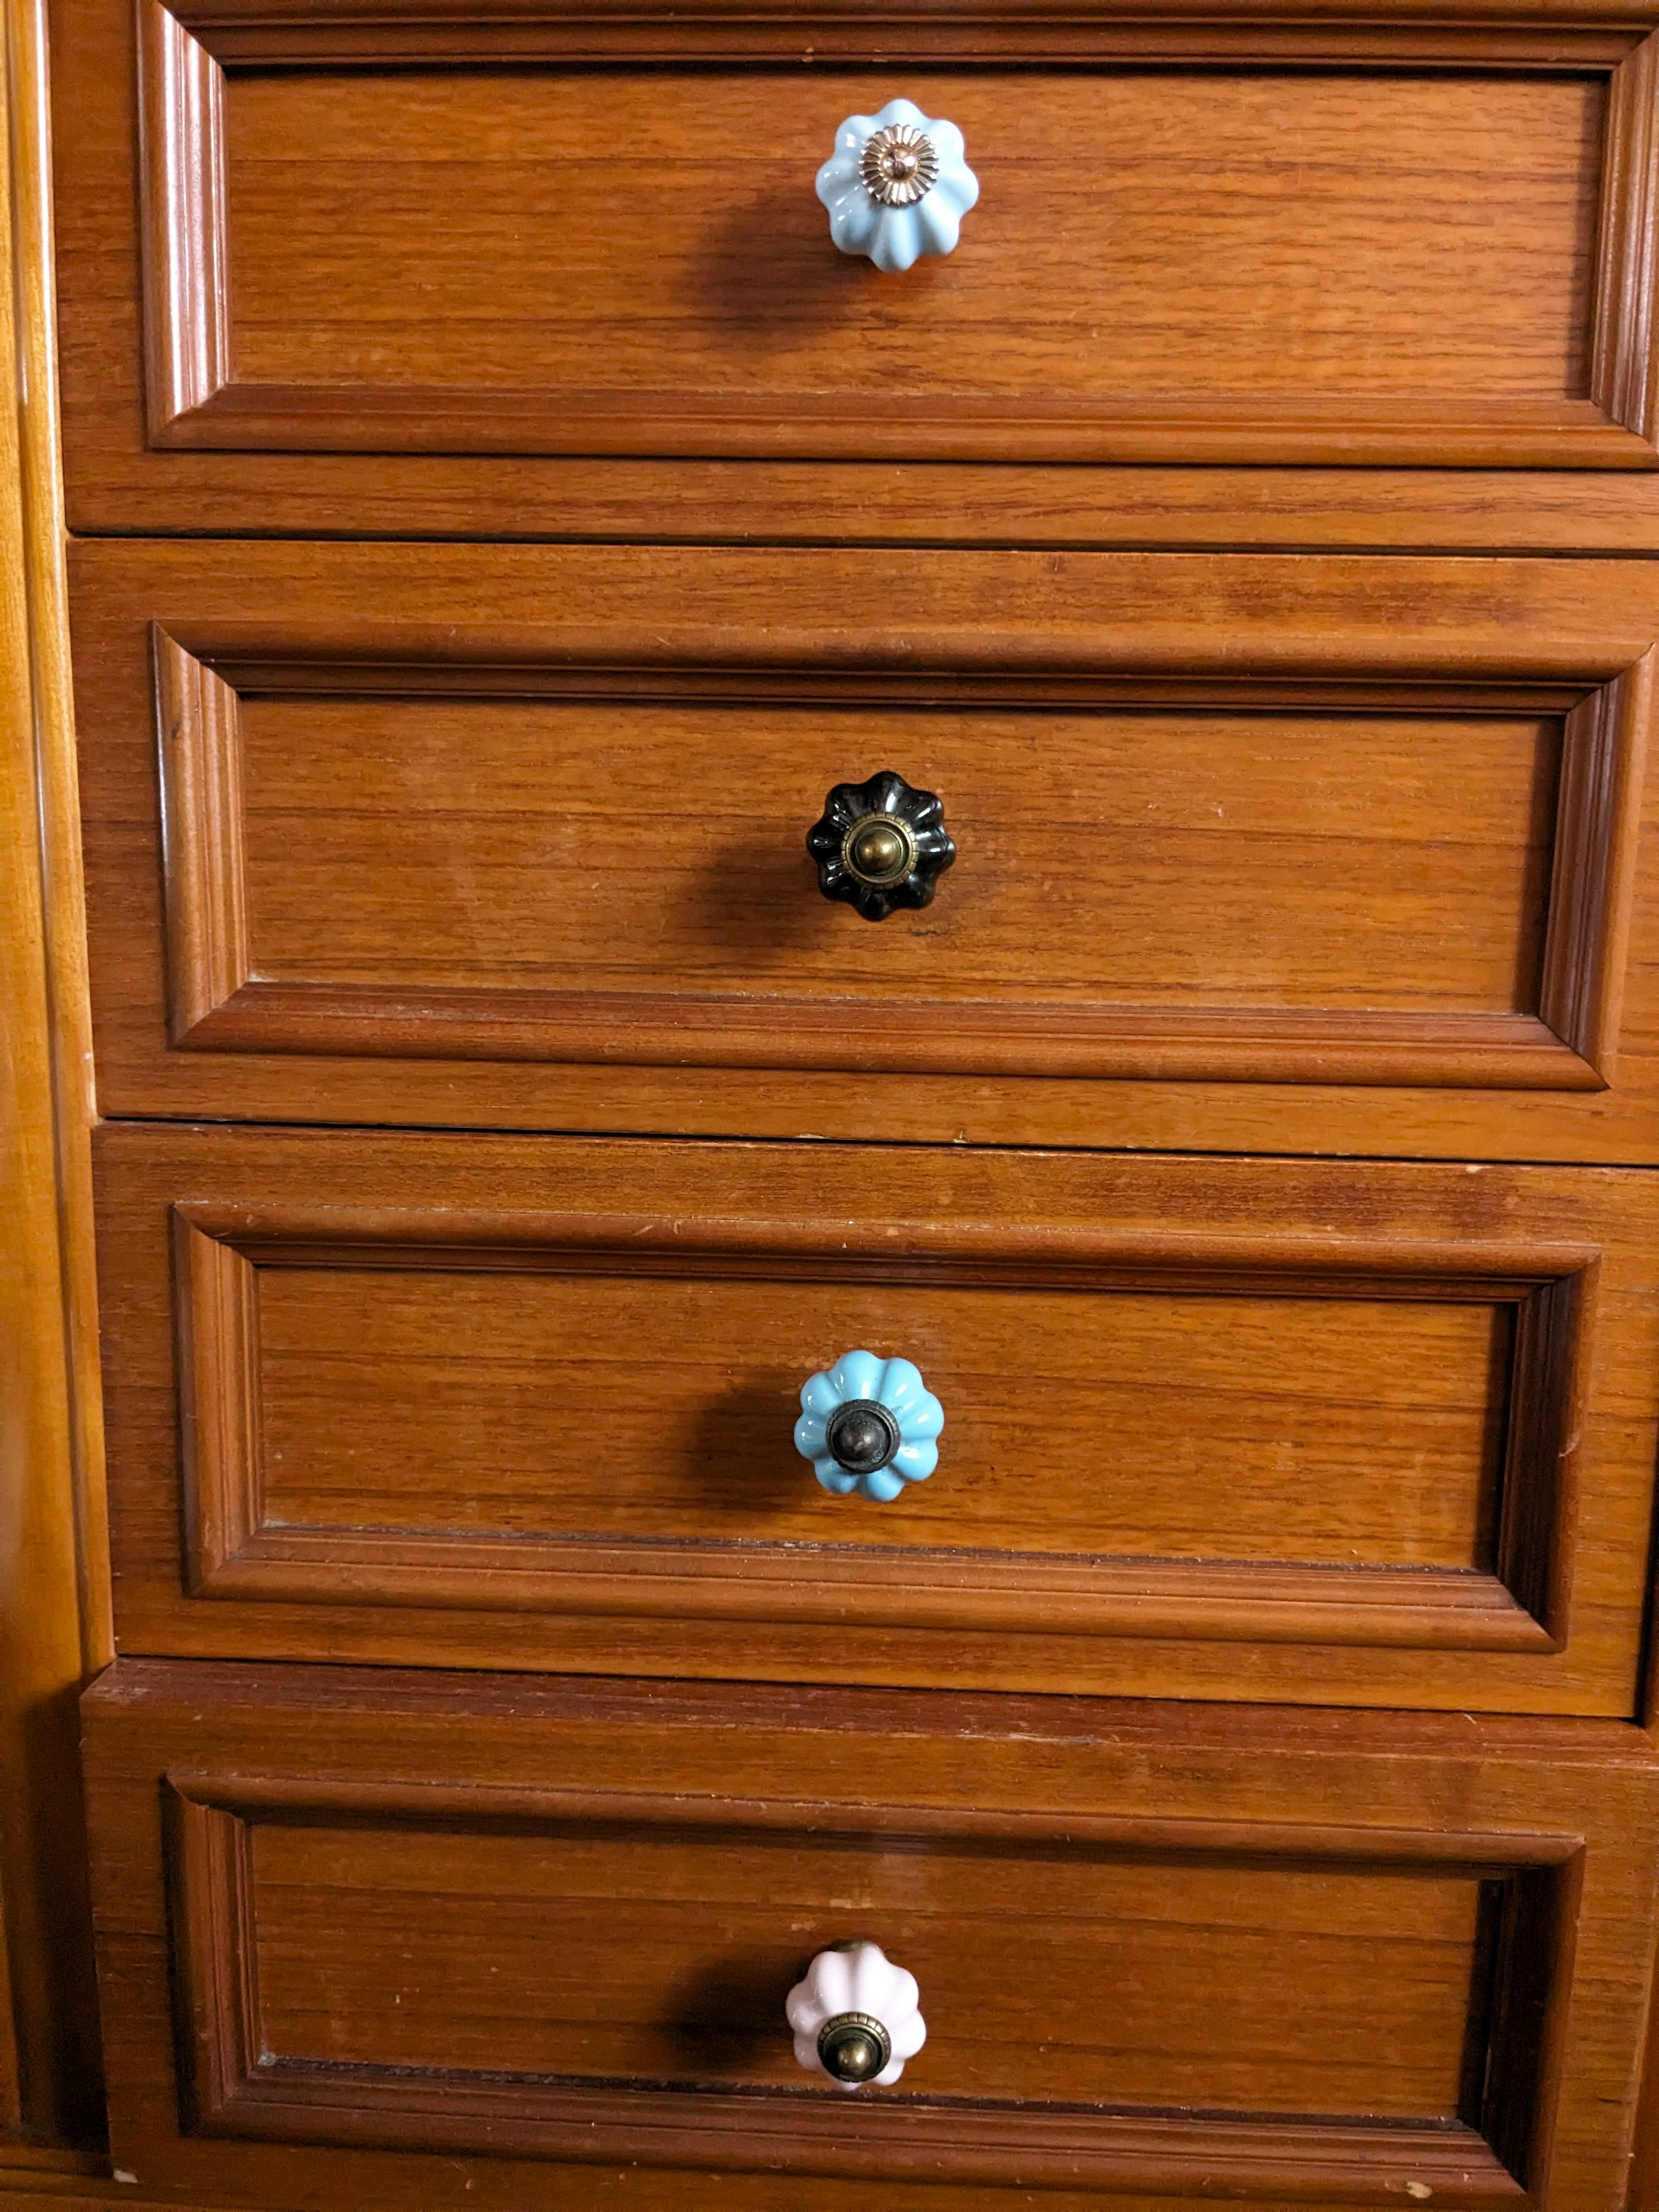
[(1414, 241), (1131, 258), (1392, 1401), (1309, 830), (1258, 1428), (452, 1915), (406, 849), (1198, 242)]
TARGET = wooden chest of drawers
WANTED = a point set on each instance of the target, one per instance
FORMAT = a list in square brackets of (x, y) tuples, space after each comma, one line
[(500, 515)]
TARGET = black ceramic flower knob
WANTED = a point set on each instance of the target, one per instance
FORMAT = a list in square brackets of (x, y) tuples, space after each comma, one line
[(879, 845)]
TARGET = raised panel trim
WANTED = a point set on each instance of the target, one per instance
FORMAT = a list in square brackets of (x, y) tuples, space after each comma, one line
[(182, 164), (1592, 887), (217, 1003), (232, 1554), (193, 401), (1623, 366), (231, 2088), (202, 856)]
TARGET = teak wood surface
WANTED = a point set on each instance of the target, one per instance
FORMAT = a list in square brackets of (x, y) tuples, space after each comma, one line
[(1363, 1433), (1357, 1952), (497, 835), (1429, 293), (1277, 838), (1267, 237)]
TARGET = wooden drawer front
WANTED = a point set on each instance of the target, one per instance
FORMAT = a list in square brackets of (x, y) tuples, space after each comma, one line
[(1369, 824), (1383, 1434), (1196, 240), (1169, 1951)]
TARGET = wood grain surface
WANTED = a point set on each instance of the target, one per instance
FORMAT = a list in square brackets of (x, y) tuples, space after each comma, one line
[(334, 1838), (1130, 258), (1206, 892), (1314, 852), (1261, 244), (1214, 860), (484, 1421), (774, 352), (1297, 821), (1222, 1429)]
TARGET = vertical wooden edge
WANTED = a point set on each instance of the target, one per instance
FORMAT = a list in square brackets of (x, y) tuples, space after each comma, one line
[(200, 755), (1533, 1977), (59, 805), (182, 219), (1627, 719), (11, 2103), (1643, 2192), (1554, 1941), (1537, 1516), (209, 1904), (54, 1621), (1598, 825), (218, 1400), (1621, 343), (1493, 1920)]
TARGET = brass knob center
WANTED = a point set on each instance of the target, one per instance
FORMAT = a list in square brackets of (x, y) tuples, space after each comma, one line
[(854, 2046), (880, 849), (863, 1436)]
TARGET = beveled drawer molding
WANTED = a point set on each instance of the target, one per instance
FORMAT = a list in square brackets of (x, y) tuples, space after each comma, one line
[(242, 2084), (1254, 854), (1569, 925), (1251, 1428), (239, 1548), (263, 244), (1252, 1928)]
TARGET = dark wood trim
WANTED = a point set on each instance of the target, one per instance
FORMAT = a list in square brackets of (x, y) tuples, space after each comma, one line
[(1537, 1499), (1622, 362), (1598, 826), (1534, 1958)]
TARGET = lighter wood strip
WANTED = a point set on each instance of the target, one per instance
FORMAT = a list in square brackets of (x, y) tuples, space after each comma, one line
[(53, 1609)]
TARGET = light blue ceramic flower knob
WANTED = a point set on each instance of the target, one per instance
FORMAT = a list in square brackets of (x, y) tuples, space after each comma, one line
[(896, 186), (869, 1424)]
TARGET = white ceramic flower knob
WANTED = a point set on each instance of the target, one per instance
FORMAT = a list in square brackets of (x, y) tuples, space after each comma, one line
[(896, 186), (854, 2016)]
